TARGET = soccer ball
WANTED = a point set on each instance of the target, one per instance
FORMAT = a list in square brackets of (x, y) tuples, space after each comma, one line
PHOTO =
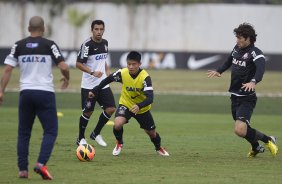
[(85, 152)]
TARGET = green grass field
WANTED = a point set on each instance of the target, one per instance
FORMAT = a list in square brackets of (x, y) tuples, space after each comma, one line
[(196, 130)]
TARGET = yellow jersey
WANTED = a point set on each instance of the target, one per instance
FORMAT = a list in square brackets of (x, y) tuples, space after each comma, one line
[(132, 90)]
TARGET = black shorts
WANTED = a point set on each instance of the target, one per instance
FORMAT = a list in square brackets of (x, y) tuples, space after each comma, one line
[(242, 107), (105, 99), (145, 119)]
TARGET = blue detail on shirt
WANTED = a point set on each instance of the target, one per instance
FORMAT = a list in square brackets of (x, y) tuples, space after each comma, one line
[(31, 45)]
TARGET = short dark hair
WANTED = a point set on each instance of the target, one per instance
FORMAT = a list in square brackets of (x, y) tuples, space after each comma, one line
[(134, 55), (246, 30), (98, 22), (36, 23)]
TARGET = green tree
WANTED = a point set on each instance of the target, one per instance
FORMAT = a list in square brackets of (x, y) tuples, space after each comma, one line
[(76, 19)]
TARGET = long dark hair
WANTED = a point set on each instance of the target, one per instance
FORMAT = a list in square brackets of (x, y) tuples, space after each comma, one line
[(246, 30)]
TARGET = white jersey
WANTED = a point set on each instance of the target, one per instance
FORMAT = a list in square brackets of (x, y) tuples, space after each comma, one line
[(35, 55), (93, 55)]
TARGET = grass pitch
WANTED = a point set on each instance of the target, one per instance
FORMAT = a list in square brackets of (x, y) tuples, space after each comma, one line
[(196, 130), (202, 146)]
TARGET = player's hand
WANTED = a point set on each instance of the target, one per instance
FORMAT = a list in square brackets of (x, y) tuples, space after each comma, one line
[(97, 74), (212, 73), (1, 97), (91, 94), (134, 109), (250, 86), (65, 83)]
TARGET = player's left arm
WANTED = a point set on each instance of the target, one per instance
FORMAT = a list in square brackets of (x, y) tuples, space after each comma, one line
[(148, 92), (259, 61), (59, 60), (107, 69), (64, 68)]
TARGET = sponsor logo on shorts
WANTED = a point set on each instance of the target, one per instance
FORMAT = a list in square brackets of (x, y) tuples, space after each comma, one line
[(88, 104), (122, 110)]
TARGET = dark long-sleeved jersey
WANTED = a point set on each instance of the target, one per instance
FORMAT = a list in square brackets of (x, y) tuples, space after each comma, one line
[(246, 64)]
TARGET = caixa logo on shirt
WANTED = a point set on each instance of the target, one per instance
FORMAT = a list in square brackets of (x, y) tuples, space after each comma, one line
[(238, 62), (101, 56), (133, 89), (33, 59)]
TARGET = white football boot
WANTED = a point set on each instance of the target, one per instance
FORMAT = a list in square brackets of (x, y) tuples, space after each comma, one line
[(162, 152), (117, 149)]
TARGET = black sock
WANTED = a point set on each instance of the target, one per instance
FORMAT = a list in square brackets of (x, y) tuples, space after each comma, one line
[(156, 141), (254, 145), (260, 136), (118, 134), (253, 136), (250, 137), (83, 121), (103, 119)]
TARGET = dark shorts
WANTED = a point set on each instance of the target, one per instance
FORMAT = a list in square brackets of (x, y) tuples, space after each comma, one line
[(242, 107), (105, 99), (145, 119)]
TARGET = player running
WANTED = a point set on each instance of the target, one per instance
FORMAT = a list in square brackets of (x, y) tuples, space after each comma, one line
[(247, 64), (135, 101)]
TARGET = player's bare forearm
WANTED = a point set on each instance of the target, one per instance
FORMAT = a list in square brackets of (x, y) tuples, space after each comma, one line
[(6, 77), (5, 80), (108, 70), (82, 67), (66, 74)]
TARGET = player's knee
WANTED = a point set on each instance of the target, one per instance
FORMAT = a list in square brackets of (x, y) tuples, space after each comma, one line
[(239, 132), (118, 125), (152, 133), (240, 128)]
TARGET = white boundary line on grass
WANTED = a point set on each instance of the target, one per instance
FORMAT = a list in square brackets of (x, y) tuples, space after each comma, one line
[(192, 93), (200, 93)]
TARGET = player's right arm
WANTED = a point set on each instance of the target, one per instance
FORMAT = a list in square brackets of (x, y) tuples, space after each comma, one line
[(5, 80), (60, 62), (116, 76), (11, 61), (223, 68), (82, 58)]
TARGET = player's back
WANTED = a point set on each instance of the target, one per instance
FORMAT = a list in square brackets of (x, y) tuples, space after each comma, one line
[(35, 56)]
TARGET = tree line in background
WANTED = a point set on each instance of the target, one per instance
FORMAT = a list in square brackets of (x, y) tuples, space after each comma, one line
[(76, 19), (158, 2)]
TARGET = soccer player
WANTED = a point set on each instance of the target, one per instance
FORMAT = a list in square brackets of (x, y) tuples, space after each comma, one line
[(135, 101), (91, 60), (247, 64), (35, 56)]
